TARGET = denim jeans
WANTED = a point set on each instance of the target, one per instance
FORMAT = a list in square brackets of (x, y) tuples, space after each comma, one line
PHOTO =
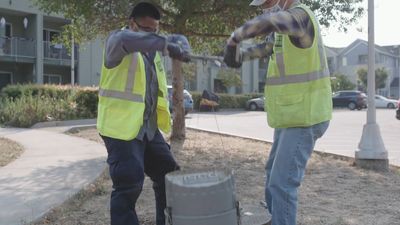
[(128, 162), (285, 169)]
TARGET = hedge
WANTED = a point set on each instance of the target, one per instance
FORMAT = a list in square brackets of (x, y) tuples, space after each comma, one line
[(227, 101), (25, 105)]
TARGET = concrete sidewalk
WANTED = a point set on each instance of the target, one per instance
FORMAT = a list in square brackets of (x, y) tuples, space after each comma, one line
[(53, 167)]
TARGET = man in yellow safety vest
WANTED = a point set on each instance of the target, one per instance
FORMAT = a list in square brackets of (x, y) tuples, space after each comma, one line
[(133, 106), (297, 94)]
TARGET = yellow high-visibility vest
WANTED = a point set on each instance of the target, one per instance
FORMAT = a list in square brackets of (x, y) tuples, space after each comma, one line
[(122, 98), (298, 89)]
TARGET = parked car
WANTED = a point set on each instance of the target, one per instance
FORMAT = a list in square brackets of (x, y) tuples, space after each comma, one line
[(187, 100), (350, 99), (398, 110), (382, 102), (255, 104), (398, 113)]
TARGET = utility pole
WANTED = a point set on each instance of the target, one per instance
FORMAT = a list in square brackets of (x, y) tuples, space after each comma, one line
[(72, 61), (372, 153)]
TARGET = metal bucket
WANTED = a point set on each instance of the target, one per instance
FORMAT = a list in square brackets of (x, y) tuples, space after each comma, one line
[(201, 198)]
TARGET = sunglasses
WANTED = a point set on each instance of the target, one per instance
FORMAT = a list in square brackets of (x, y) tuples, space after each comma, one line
[(146, 29)]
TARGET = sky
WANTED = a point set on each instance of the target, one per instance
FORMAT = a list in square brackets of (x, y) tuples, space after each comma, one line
[(387, 26)]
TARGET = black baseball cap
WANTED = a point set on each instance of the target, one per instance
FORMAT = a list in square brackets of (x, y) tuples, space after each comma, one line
[(144, 9)]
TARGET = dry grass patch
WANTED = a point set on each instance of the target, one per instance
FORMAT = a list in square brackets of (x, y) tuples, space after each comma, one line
[(9, 151), (333, 192)]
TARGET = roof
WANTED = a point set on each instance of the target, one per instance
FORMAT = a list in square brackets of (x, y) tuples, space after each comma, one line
[(393, 49), (333, 49), (388, 50)]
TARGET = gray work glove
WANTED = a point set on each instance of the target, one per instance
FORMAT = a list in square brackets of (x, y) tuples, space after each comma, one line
[(176, 52), (230, 56), (183, 53)]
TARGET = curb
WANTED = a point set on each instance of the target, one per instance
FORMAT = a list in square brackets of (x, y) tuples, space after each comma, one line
[(321, 153), (76, 129), (316, 151), (83, 122)]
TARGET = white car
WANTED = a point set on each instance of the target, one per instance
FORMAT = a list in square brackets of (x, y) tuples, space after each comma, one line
[(382, 102), (255, 104)]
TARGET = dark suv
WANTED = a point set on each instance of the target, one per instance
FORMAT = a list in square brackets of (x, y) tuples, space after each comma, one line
[(350, 99)]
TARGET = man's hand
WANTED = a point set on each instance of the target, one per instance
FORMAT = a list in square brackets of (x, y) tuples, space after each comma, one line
[(232, 41), (230, 56), (176, 52), (179, 47)]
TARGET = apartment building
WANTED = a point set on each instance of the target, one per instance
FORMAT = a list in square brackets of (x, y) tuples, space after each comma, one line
[(28, 53), (349, 59)]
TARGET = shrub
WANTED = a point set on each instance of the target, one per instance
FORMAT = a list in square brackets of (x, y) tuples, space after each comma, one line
[(86, 102), (196, 96), (25, 105), (53, 91), (227, 100), (28, 110)]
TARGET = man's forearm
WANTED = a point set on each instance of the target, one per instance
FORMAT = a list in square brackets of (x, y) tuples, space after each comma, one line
[(257, 51), (292, 22), (121, 43), (142, 42)]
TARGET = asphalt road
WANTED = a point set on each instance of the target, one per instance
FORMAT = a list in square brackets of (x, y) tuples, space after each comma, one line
[(342, 137)]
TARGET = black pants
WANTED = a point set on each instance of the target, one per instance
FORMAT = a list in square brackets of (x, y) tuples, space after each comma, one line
[(128, 162)]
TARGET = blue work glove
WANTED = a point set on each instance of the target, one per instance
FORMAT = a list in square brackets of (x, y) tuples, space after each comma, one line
[(230, 56)]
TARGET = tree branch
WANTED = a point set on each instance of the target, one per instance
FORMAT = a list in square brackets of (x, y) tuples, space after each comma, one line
[(198, 34)]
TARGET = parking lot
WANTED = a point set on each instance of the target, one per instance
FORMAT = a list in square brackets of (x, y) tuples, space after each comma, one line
[(342, 137)]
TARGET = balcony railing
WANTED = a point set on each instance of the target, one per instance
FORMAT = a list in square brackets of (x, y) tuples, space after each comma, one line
[(57, 51), (17, 47)]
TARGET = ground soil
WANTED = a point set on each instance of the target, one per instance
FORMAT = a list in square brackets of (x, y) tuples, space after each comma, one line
[(9, 151), (334, 192)]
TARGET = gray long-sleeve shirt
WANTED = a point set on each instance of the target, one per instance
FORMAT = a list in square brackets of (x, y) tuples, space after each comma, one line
[(119, 44), (294, 22)]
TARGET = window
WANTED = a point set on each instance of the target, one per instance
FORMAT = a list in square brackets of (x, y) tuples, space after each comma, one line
[(384, 59), (362, 59), (52, 79), (330, 64), (348, 93), (52, 50), (6, 31), (5, 79), (5, 41), (261, 87), (344, 61), (50, 35)]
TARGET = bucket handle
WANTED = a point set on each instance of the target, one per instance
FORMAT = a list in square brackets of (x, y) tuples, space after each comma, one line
[(168, 216), (238, 212)]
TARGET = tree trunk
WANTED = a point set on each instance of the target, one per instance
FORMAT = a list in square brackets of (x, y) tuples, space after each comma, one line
[(178, 126)]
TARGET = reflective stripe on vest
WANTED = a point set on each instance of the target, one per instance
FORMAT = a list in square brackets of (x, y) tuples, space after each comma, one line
[(299, 78), (128, 93), (121, 95)]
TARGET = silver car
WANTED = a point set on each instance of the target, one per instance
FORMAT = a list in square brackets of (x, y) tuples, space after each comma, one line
[(255, 104)]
